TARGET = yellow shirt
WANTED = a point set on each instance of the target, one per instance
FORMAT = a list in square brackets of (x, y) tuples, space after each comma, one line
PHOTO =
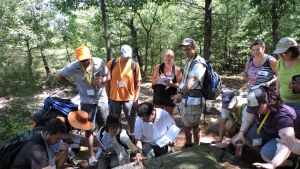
[(122, 80)]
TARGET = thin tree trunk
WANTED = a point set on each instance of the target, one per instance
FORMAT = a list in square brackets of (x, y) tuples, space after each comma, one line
[(275, 20), (207, 29), (106, 30), (45, 62), (68, 54), (29, 58)]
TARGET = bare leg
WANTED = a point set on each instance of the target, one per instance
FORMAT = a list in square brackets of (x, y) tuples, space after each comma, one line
[(90, 140), (188, 135), (196, 134), (222, 129)]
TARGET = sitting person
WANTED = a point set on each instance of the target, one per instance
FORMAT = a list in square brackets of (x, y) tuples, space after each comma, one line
[(267, 118), (232, 115), (37, 154), (114, 143), (154, 130)]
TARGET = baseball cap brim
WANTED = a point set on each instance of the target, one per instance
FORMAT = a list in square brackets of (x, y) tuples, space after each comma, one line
[(279, 50)]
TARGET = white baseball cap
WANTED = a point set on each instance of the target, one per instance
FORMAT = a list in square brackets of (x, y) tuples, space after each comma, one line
[(126, 51)]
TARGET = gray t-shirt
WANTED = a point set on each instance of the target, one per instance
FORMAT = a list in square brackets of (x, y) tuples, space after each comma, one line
[(89, 94)]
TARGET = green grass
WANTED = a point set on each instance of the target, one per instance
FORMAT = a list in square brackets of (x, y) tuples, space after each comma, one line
[(15, 119)]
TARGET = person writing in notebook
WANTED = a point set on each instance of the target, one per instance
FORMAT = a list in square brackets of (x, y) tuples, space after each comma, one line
[(154, 130)]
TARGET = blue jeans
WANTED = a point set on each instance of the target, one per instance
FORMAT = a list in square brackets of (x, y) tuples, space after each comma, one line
[(269, 146)]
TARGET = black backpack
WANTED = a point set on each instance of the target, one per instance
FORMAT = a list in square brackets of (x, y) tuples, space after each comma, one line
[(133, 67), (10, 149)]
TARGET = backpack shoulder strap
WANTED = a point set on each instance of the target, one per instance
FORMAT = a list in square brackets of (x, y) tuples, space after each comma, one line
[(267, 61), (113, 63), (119, 139), (161, 68)]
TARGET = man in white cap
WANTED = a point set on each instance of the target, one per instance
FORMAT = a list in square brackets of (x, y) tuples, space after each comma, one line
[(189, 95), (124, 86)]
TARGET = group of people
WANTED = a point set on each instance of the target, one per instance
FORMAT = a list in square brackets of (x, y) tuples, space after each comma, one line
[(107, 89), (269, 121)]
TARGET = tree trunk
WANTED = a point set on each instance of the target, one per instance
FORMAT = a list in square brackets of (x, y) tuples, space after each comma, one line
[(68, 54), (207, 29), (29, 58), (45, 62), (275, 20), (106, 31)]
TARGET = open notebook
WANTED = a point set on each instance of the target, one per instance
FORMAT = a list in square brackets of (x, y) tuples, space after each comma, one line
[(169, 137)]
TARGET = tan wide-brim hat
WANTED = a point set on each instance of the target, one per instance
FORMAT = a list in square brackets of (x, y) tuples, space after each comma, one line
[(79, 120)]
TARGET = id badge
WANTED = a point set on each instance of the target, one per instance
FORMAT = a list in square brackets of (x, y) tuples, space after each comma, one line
[(121, 84), (90, 92), (257, 142)]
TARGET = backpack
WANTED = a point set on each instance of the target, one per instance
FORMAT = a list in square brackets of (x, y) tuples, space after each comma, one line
[(53, 106), (212, 83), (10, 149), (105, 129), (133, 67)]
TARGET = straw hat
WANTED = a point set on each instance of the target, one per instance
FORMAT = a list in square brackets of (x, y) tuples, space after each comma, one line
[(79, 120)]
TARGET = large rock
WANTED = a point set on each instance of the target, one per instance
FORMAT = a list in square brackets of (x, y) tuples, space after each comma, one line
[(191, 158)]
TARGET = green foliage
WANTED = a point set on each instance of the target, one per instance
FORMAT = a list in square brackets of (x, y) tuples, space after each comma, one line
[(14, 119), (14, 80)]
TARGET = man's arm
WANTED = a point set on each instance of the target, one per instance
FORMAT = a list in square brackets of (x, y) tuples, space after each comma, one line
[(65, 81)]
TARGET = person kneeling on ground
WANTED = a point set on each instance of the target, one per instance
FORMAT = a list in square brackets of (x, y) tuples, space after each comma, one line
[(154, 130), (36, 153), (232, 115), (267, 118), (114, 143)]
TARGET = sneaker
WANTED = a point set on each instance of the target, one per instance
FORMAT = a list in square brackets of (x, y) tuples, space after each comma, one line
[(188, 145), (92, 161)]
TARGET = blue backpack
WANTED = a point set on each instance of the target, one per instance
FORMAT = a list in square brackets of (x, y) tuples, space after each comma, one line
[(212, 84), (54, 106)]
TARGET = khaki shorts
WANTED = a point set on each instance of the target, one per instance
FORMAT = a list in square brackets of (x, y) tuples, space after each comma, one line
[(190, 114)]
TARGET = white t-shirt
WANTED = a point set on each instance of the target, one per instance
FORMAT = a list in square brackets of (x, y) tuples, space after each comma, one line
[(150, 132)]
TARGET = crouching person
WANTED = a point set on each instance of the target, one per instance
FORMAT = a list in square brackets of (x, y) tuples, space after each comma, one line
[(267, 119), (154, 130), (37, 154), (232, 114), (114, 143)]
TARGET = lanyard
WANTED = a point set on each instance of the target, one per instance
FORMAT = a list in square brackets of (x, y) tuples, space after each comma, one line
[(262, 123), (88, 77), (120, 68), (47, 147), (186, 69)]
